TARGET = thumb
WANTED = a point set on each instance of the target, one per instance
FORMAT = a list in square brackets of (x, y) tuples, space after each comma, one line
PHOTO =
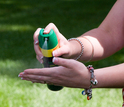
[(62, 51), (68, 63)]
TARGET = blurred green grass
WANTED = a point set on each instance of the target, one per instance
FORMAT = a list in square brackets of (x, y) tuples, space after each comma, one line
[(18, 22)]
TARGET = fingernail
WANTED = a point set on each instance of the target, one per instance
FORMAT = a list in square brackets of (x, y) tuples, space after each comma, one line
[(41, 62), (45, 31), (53, 53), (54, 59), (41, 57), (22, 78), (19, 76), (36, 42)]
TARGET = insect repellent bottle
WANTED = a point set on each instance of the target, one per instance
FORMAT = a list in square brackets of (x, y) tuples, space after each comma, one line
[(48, 43)]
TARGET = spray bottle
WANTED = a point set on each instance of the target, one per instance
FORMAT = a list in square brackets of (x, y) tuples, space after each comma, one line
[(48, 43)]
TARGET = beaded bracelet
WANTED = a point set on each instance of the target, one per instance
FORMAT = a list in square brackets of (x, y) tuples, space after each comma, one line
[(82, 47), (93, 81)]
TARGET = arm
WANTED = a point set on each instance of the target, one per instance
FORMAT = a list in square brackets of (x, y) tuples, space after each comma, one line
[(108, 38), (66, 74), (110, 77)]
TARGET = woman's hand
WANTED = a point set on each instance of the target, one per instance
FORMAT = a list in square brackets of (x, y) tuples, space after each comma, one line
[(64, 49), (69, 73)]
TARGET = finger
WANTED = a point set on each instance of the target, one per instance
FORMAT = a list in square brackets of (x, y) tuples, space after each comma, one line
[(33, 81), (52, 26), (49, 27), (40, 59), (36, 43), (62, 51), (21, 73), (37, 78), (68, 63), (36, 81), (31, 77), (45, 82), (42, 72), (48, 81), (27, 79), (36, 34)]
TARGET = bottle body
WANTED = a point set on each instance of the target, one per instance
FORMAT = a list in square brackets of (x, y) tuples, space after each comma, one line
[(48, 43)]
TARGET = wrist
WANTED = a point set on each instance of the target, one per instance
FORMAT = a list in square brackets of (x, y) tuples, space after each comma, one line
[(76, 48), (81, 49)]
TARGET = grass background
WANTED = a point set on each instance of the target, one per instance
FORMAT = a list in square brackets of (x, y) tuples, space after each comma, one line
[(18, 21)]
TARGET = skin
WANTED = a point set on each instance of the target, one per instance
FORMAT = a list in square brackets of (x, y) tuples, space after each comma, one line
[(107, 39)]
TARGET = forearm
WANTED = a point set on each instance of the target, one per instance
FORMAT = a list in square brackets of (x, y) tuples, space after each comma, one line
[(101, 42), (110, 77)]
